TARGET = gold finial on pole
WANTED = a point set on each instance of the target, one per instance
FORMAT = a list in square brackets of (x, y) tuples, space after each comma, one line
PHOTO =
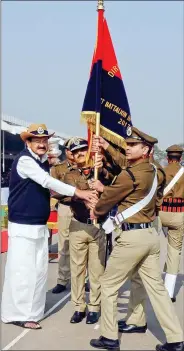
[(100, 5)]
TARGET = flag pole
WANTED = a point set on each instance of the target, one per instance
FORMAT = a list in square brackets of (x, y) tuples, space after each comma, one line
[(100, 6), (97, 132)]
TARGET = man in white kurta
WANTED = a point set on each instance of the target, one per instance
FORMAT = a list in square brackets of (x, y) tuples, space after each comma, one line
[(24, 291)]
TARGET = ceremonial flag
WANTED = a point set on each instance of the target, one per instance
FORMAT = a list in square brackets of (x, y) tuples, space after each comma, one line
[(105, 92)]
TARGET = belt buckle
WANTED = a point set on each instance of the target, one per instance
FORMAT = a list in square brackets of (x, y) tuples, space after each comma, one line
[(89, 221)]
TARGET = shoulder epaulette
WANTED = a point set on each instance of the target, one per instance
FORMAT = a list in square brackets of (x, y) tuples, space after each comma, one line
[(131, 176), (60, 163)]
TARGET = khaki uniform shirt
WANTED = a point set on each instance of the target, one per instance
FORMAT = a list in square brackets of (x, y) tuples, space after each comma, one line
[(126, 192), (177, 191), (117, 156), (120, 159), (161, 183), (58, 172), (76, 178)]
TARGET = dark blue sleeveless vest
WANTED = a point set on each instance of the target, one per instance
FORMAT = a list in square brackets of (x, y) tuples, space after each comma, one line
[(28, 202)]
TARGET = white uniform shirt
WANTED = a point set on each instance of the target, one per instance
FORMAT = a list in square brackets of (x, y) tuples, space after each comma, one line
[(28, 168)]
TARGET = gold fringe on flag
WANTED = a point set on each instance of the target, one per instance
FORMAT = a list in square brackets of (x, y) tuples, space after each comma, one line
[(89, 117)]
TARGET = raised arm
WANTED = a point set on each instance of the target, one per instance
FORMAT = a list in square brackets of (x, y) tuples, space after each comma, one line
[(113, 194), (28, 168), (117, 156)]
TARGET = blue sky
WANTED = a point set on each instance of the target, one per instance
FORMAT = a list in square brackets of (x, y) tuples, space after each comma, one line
[(47, 49)]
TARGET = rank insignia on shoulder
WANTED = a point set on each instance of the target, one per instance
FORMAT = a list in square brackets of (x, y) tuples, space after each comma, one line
[(58, 164), (129, 131)]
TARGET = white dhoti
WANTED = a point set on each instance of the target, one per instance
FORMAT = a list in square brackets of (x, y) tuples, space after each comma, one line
[(25, 283)]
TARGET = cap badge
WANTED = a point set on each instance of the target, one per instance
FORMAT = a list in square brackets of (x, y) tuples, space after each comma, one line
[(76, 142), (129, 131), (40, 130)]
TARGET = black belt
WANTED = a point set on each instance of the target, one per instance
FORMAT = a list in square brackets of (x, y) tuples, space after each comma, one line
[(130, 226), (88, 221), (173, 204)]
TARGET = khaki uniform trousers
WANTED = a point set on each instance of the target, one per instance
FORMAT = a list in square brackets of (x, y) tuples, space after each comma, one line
[(137, 302), (136, 313), (175, 223), (87, 251), (64, 220), (137, 250)]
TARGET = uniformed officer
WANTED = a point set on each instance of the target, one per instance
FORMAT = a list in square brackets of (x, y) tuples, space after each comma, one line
[(64, 218), (135, 320), (172, 215), (137, 247), (87, 241)]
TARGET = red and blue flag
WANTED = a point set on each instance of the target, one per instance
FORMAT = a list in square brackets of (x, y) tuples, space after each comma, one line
[(105, 91)]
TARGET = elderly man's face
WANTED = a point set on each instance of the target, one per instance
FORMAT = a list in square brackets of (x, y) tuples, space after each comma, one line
[(39, 145)]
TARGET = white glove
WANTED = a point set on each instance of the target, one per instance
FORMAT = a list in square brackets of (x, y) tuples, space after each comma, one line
[(108, 226)]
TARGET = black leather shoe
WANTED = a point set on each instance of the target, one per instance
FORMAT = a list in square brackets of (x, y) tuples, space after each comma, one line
[(58, 289), (173, 346), (104, 343), (130, 328), (87, 289), (92, 318), (173, 299), (77, 317), (121, 323)]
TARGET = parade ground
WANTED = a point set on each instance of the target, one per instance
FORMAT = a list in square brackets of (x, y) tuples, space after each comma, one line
[(59, 334)]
